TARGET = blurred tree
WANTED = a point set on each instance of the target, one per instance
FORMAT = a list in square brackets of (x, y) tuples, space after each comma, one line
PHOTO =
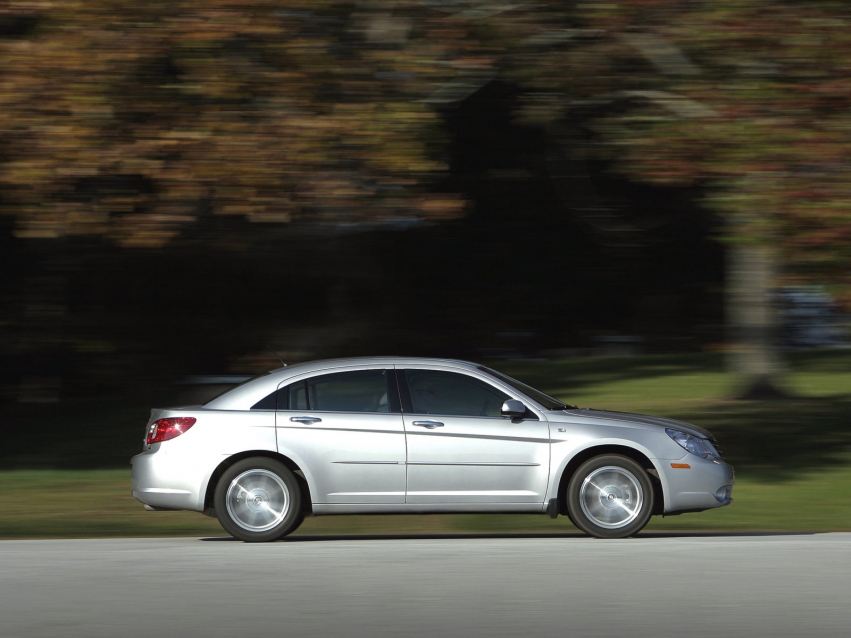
[(138, 122), (131, 119), (748, 98)]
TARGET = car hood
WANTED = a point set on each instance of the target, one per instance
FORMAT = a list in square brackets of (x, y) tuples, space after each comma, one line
[(643, 419)]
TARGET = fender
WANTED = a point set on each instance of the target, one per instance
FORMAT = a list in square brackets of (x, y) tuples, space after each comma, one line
[(560, 463)]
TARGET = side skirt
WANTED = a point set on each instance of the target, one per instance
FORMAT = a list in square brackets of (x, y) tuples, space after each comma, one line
[(327, 509)]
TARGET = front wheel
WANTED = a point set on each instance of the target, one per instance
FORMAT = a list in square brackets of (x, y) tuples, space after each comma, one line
[(258, 499), (610, 496)]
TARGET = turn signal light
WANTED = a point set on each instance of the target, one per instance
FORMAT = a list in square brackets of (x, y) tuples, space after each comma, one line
[(167, 429), (681, 466)]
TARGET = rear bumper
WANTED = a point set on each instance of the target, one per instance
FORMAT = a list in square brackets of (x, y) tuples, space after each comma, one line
[(704, 485), (162, 481)]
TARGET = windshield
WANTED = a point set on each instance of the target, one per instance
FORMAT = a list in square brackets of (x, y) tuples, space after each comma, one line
[(545, 400)]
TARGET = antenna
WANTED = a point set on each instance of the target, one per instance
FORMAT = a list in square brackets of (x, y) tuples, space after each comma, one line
[(276, 355)]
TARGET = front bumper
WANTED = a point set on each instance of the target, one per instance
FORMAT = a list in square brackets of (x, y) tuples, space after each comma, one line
[(703, 485)]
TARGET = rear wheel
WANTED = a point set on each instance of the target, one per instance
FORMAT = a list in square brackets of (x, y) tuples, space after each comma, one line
[(258, 499), (610, 496)]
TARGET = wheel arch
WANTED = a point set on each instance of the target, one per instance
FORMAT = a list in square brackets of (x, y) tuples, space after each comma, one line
[(598, 450), (306, 501)]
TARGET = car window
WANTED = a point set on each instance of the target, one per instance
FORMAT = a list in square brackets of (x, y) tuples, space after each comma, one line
[(357, 391), (296, 397), (292, 397), (266, 403), (449, 393)]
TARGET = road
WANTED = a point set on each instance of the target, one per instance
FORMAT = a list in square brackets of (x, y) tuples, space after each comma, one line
[(683, 586)]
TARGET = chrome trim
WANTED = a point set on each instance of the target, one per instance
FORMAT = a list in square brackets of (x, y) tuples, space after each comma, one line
[(482, 436), (478, 464), (474, 493), (295, 427), (305, 419), (367, 462), (366, 494)]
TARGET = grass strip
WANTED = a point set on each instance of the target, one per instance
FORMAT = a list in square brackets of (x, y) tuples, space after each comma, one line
[(97, 503)]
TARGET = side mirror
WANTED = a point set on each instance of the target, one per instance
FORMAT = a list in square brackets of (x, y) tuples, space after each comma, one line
[(514, 409)]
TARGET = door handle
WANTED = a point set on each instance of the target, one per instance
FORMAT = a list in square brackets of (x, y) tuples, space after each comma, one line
[(305, 419), (429, 424)]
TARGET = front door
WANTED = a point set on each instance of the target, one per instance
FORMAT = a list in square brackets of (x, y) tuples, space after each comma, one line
[(347, 427), (461, 449)]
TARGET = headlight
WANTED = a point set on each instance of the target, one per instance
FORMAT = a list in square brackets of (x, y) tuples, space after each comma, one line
[(693, 444)]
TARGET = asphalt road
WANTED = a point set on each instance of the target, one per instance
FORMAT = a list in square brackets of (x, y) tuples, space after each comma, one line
[(686, 586)]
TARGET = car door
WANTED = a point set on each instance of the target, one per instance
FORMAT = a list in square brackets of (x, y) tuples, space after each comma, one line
[(346, 426), (461, 449)]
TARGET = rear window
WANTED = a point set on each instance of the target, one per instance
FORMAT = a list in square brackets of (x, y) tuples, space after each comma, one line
[(356, 391)]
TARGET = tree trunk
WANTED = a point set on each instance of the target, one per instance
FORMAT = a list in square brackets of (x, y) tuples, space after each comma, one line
[(752, 320)]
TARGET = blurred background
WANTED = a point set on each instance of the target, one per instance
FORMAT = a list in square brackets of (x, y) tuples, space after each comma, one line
[(639, 205)]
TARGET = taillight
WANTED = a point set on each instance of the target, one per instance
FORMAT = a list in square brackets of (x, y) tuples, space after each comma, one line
[(166, 429)]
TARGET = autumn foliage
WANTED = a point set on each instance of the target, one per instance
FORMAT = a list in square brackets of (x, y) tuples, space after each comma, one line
[(131, 119), (749, 99)]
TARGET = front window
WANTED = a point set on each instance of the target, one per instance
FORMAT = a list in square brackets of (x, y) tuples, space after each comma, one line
[(448, 393)]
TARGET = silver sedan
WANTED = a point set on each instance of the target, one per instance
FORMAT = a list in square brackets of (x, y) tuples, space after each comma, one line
[(406, 435)]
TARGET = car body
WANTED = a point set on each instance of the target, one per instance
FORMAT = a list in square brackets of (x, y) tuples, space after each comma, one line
[(413, 435)]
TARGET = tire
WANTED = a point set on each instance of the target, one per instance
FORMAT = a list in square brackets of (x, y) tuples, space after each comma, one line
[(610, 496), (258, 500)]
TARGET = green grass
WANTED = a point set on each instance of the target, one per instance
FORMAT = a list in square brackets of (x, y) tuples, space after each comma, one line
[(792, 457), (69, 504)]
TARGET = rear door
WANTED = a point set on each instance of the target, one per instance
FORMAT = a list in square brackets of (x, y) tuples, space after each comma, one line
[(347, 427), (461, 449)]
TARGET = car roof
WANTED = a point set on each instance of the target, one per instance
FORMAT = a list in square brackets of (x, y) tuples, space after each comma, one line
[(320, 364)]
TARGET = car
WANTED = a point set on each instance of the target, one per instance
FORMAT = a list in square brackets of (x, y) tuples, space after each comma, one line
[(413, 435)]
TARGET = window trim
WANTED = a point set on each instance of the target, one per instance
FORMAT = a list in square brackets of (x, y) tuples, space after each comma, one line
[(404, 391)]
